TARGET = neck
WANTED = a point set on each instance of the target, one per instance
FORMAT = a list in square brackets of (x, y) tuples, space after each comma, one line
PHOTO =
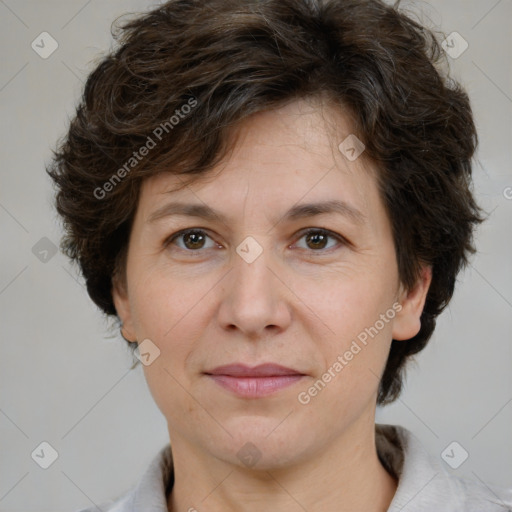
[(344, 477)]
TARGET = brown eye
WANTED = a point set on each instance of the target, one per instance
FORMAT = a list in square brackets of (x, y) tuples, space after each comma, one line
[(192, 240), (318, 239)]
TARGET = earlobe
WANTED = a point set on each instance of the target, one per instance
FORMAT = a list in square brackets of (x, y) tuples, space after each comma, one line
[(407, 322)]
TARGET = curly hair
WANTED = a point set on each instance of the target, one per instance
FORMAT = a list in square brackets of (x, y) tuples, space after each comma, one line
[(188, 71)]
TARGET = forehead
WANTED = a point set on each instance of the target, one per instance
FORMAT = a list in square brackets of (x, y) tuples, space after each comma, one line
[(278, 157)]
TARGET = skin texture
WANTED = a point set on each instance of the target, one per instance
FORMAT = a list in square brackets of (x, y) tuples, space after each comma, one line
[(299, 304)]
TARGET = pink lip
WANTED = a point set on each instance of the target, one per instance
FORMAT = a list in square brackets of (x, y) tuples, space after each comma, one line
[(256, 382), (262, 370)]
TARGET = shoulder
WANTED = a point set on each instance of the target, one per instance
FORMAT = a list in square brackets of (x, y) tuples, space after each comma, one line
[(425, 485)]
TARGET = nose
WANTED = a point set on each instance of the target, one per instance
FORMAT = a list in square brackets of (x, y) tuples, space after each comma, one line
[(255, 298)]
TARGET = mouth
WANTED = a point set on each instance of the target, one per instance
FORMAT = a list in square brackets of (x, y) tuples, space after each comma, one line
[(255, 382)]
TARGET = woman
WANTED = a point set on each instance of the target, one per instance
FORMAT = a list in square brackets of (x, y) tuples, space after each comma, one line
[(273, 198)]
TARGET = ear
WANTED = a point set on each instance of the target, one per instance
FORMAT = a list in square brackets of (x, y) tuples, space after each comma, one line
[(407, 321), (122, 305)]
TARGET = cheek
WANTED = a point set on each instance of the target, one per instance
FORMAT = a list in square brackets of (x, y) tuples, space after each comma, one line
[(166, 303), (360, 319), (349, 305), (168, 313)]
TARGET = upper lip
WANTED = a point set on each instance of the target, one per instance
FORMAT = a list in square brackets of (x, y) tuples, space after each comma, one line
[(262, 370)]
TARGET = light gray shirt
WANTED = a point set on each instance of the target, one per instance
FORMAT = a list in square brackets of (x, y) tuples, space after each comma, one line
[(424, 485)]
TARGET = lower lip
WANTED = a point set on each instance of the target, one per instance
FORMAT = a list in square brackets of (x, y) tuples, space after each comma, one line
[(255, 387)]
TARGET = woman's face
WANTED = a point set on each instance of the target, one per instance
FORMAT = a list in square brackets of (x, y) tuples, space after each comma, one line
[(251, 286)]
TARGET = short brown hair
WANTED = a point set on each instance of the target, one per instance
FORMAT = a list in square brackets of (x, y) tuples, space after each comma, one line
[(236, 58)]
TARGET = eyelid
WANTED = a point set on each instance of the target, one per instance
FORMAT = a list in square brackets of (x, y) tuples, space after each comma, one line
[(300, 234), (332, 234), (182, 232)]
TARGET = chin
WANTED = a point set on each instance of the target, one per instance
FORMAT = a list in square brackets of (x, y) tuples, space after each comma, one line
[(260, 443)]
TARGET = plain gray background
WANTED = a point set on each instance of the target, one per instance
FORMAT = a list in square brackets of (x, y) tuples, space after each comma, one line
[(63, 381)]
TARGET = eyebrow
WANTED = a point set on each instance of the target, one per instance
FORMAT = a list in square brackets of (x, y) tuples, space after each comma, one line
[(294, 213)]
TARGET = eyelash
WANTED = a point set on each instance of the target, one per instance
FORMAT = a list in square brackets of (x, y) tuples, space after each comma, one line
[(321, 231)]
